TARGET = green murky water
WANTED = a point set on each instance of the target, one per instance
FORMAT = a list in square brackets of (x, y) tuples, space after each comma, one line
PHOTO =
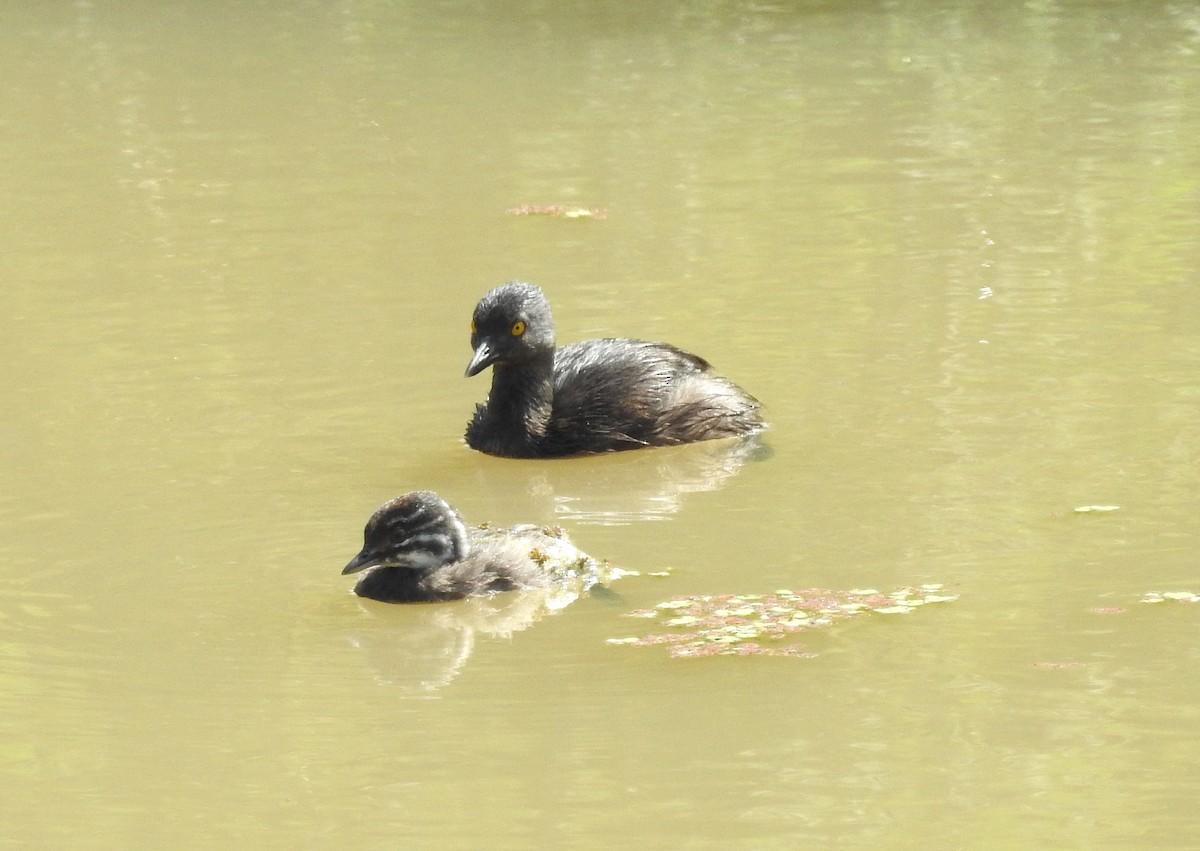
[(952, 246)]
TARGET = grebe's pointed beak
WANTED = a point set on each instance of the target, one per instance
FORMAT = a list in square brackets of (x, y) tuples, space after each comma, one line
[(361, 561), (484, 357)]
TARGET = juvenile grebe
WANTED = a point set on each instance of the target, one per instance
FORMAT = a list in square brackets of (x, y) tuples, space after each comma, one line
[(417, 549)]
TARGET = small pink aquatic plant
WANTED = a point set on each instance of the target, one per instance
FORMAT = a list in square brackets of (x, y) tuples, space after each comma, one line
[(762, 624)]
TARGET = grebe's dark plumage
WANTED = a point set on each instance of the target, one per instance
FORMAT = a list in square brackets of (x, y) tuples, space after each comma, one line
[(590, 396), (417, 549)]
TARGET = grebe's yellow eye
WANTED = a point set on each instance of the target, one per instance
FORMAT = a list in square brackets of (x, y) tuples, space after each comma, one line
[(472, 326), (518, 328)]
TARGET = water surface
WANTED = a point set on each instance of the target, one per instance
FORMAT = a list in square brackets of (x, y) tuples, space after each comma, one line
[(952, 247)]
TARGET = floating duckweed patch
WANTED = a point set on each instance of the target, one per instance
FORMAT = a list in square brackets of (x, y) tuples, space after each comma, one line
[(765, 624), (558, 211), (1166, 596)]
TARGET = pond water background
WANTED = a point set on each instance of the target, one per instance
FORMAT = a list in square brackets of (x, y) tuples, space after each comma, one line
[(953, 247)]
